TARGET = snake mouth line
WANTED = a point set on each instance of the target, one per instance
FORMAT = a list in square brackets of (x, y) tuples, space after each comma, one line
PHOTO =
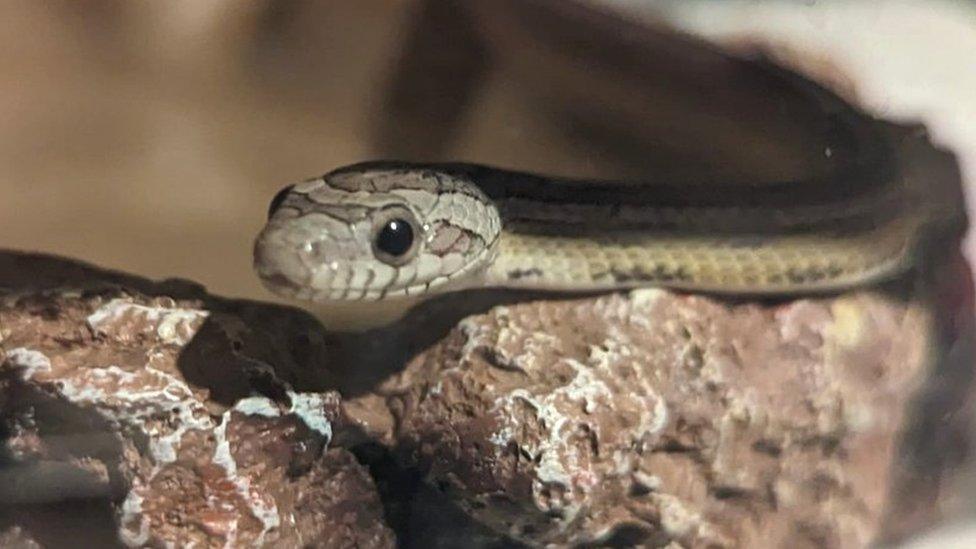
[(278, 281), (285, 287)]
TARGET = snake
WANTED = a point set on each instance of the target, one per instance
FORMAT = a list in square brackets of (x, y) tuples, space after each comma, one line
[(395, 231), (388, 231)]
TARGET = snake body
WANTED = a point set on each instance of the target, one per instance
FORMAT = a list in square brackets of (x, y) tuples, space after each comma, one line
[(474, 226)]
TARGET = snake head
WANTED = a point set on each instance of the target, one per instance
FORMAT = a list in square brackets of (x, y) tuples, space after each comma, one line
[(371, 232)]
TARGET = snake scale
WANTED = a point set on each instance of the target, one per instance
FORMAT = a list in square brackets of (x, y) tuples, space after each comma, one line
[(387, 231), (401, 232)]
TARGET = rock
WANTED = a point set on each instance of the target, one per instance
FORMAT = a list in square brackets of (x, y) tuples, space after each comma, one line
[(655, 417), (138, 413), (104, 396)]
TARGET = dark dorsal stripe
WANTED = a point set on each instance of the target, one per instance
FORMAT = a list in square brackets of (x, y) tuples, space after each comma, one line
[(866, 169)]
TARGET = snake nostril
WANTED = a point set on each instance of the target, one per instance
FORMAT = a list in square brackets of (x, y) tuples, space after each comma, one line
[(278, 199)]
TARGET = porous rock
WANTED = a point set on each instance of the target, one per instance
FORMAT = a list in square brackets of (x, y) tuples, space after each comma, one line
[(656, 418), (105, 396)]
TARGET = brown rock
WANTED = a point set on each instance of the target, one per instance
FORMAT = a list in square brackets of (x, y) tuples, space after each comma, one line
[(106, 397), (655, 417)]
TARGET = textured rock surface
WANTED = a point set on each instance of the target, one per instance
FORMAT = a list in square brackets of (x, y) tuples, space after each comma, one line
[(649, 417), (102, 398), (656, 417)]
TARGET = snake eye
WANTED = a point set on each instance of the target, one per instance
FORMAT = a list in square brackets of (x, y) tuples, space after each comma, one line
[(278, 200), (395, 238)]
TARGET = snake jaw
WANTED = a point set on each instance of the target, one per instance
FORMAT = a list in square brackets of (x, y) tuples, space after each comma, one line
[(277, 264)]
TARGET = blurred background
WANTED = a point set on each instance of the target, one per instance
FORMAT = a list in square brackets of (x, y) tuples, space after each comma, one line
[(149, 137)]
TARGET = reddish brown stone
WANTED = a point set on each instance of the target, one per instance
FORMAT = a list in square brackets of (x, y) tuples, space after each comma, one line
[(656, 417), (110, 395)]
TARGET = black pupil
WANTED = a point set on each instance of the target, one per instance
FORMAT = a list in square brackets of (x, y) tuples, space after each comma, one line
[(278, 199), (395, 238)]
